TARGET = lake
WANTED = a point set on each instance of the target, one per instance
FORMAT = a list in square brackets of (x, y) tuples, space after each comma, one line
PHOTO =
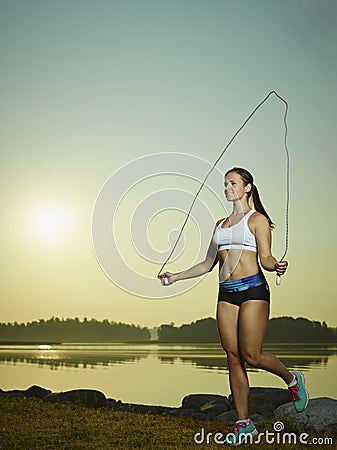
[(155, 374)]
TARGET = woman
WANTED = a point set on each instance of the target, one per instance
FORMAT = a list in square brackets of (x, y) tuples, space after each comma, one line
[(241, 243)]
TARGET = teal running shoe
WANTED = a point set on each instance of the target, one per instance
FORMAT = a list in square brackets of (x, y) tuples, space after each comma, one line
[(298, 392), (241, 433)]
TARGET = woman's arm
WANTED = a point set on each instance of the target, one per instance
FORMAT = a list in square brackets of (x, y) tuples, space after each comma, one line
[(262, 233), (199, 269)]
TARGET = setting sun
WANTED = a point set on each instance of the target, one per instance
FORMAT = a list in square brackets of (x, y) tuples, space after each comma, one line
[(50, 222)]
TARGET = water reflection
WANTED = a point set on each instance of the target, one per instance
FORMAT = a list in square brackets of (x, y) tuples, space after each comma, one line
[(213, 358), (75, 356), (208, 357)]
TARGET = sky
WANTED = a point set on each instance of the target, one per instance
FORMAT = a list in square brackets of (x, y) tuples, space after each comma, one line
[(95, 89)]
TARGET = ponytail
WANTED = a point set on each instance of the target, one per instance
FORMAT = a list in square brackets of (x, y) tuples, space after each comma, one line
[(247, 178), (258, 205)]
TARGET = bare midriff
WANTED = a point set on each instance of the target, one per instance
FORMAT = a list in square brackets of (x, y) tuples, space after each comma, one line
[(236, 264)]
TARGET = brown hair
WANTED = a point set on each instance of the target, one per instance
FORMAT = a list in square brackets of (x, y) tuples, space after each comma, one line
[(247, 178)]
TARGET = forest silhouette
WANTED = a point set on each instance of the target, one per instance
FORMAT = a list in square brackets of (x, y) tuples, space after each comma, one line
[(280, 330), (72, 330)]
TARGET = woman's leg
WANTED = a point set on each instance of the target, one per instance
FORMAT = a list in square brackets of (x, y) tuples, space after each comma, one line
[(227, 320), (253, 320)]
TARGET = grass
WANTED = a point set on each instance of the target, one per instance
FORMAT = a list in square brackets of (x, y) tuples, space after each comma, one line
[(31, 424)]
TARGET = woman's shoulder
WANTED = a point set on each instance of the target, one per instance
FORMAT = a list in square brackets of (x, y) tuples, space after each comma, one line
[(258, 219)]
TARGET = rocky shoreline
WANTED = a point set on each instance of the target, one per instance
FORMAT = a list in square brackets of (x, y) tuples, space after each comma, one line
[(264, 404)]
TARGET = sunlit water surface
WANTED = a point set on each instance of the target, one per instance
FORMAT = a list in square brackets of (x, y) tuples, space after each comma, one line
[(154, 374)]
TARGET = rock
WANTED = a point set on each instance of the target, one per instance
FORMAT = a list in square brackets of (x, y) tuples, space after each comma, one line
[(182, 412), (124, 408), (264, 400), (160, 410), (319, 414), (258, 417), (199, 416), (111, 403), (36, 391), (204, 401), (213, 411), (331, 429), (33, 391), (229, 416), (13, 394), (264, 409), (87, 397)]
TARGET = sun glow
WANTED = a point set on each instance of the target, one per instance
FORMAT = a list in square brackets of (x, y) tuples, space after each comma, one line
[(51, 222)]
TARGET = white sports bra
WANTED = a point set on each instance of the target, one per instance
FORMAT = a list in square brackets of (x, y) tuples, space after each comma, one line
[(236, 237)]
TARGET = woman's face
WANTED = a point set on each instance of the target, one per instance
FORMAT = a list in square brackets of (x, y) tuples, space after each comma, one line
[(235, 188)]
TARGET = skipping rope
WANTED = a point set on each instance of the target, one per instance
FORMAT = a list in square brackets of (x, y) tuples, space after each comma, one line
[(278, 279)]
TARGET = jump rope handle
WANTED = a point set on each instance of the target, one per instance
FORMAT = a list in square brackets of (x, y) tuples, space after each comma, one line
[(278, 278)]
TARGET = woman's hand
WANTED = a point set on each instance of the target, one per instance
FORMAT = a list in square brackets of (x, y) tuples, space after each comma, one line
[(281, 267), (169, 276)]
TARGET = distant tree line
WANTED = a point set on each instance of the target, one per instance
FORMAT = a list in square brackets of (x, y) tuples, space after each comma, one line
[(288, 329), (204, 330), (280, 329), (72, 330)]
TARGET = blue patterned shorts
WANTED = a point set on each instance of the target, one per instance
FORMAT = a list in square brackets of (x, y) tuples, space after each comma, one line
[(254, 287)]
